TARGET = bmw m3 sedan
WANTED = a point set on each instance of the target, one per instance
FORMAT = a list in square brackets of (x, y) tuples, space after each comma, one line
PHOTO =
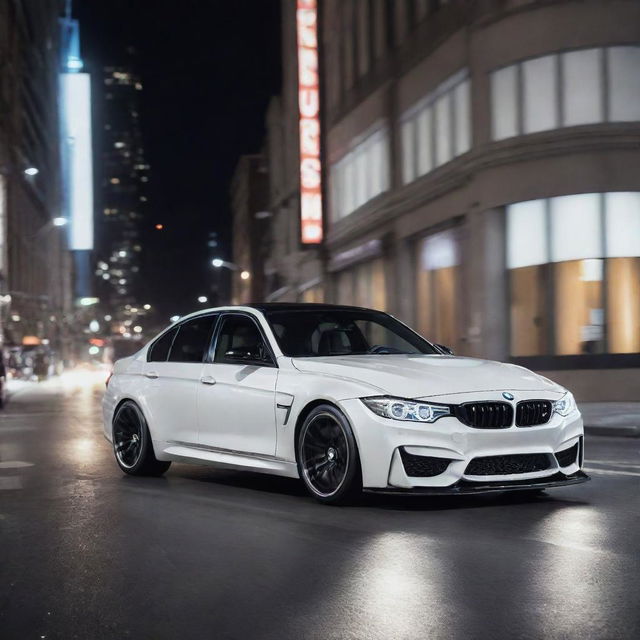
[(343, 398)]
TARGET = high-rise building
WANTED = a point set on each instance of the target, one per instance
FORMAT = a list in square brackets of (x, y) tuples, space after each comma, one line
[(479, 171), (123, 189), (35, 270), (251, 217)]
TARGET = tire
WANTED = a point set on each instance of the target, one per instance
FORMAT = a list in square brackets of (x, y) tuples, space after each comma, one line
[(132, 444), (327, 455)]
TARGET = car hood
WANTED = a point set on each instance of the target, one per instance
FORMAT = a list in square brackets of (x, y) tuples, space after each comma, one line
[(421, 376)]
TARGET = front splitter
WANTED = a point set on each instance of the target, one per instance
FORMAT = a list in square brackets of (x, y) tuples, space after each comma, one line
[(467, 487)]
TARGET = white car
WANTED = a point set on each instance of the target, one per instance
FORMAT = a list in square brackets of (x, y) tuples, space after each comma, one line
[(344, 398)]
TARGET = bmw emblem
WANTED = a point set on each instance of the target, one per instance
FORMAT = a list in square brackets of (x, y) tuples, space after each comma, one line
[(507, 396)]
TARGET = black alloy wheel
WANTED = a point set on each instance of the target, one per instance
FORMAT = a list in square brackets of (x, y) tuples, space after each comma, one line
[(328, 460), (132, 443)]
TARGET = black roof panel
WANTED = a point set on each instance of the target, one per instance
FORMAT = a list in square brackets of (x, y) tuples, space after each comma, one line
[(301, 306)]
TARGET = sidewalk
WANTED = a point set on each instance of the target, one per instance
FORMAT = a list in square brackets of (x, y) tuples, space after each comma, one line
[(621, 419)]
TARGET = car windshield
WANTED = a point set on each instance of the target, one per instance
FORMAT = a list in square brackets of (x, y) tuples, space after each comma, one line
[(343, 332)]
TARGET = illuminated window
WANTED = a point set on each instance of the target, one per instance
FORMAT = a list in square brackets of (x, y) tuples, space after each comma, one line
[(361, 174), (363, 285), (566, 89), (570, 291), (438, 288), (437, 129), (539, 99)]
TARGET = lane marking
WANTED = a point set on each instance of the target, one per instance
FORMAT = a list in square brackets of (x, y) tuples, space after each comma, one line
[(611, 472), (15, 464)]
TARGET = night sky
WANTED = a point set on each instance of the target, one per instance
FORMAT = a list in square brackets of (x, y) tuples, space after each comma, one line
[(208, 69)]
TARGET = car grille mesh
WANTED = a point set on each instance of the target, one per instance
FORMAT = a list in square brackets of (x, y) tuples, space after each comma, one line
[(507, 465), (485, 415), (567, 456), (423, 466), (533, 412)]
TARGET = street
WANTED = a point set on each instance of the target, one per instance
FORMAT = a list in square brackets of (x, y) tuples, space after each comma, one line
[(88, 553)]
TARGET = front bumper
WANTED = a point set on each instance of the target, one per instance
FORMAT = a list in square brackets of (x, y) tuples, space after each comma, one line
[(381, 441)]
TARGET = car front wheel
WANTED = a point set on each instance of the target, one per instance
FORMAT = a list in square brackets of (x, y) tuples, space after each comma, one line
[(132, 443), (328, 460)]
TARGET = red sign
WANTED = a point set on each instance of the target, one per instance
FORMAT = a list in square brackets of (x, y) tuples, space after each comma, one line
[(309, 107)]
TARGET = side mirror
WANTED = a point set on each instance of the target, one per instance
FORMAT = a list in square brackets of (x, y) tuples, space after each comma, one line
[(447, 351)]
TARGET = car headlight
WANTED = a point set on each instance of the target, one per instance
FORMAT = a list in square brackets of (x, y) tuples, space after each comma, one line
[(565, 405), (408, 410)]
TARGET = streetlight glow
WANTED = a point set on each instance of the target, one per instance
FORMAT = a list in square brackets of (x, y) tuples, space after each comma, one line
[(202, 299), (217, 262), (174, 318), (59, 221), (245, 275), (32, 171)]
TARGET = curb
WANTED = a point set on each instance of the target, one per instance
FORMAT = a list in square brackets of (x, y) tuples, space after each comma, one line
[(614, 432)]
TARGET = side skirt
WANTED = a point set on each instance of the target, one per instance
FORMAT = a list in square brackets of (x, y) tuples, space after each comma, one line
[(229, 458)]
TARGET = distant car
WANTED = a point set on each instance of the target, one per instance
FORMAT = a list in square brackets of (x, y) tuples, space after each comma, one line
[(344, 398)]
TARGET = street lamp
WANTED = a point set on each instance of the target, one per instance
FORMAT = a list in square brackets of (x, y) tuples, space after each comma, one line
[(59, 221), (202, 299), (32, 171), (232, 266)]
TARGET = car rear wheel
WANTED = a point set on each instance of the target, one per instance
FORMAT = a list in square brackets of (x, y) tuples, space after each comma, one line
[(328, 460), (132, 443)]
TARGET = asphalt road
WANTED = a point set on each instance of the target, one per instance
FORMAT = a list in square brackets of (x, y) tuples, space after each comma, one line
[(88, 553)]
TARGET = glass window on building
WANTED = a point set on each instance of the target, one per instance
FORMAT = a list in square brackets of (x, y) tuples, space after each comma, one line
[(566, 89), (582, 87), (504, 100), (437, 129), (363, 285), (313, 294), (362, 174), (570, 291), (539, 104), (624, 83), (437, 288), (408, 151)]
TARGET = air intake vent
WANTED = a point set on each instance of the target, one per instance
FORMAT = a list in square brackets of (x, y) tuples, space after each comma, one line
[(423, 466), (507, 465), (533, 412), (485, 415), (567, 456)]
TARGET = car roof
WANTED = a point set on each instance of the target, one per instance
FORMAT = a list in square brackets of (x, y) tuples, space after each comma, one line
[(301, 306)]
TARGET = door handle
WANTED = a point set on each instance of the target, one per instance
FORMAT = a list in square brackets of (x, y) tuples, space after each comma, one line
[(151, 374), (208, 380)]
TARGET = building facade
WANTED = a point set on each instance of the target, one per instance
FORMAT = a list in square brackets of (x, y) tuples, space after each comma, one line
[(35, 266), (124, 178), (480, 161), (293, 270), (251, 217)]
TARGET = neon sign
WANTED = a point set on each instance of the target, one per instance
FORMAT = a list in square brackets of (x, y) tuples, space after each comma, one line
[(309, 108)]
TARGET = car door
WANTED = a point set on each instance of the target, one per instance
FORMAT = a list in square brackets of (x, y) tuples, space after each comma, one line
[(236, 397), (173, 374)]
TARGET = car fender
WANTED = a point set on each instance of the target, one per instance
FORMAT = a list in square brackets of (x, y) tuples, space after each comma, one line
[(296, 390)]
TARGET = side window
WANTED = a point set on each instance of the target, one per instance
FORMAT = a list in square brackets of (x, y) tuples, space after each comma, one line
[(160, 348), (192, 341), (240, 341)]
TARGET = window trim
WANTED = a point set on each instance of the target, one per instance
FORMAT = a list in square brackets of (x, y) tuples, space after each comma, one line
[(176, 326), (210, 355)]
